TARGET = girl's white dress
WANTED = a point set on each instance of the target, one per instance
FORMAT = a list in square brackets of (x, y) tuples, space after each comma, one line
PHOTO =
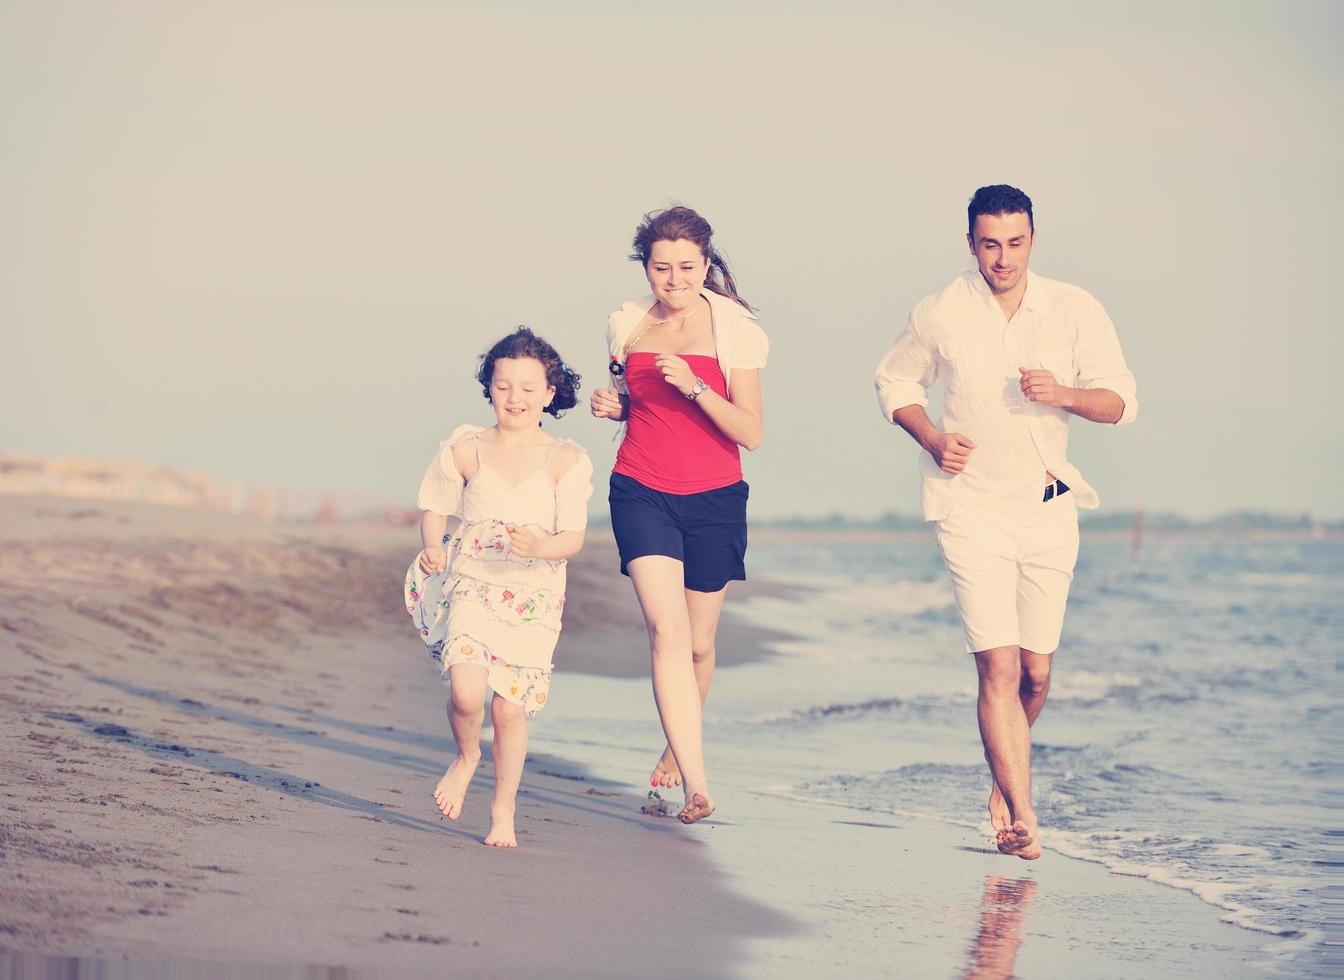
[(488, 607)]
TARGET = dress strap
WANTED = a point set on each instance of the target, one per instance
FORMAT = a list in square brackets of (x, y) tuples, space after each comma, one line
[(554, 449)]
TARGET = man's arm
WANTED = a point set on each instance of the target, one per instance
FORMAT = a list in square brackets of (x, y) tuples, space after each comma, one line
[(903, 379), (950, 450), (1093, 404)]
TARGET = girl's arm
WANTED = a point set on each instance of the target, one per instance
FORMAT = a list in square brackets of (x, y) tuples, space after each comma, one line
[(432, 526), (526, 543)]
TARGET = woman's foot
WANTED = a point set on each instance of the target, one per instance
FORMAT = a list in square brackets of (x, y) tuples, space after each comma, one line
[(501, 828), (666, 774), (452, 788), (1020, 840), (697, 807)]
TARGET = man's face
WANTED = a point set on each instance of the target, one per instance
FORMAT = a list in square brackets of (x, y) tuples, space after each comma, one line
[(1002, 244)]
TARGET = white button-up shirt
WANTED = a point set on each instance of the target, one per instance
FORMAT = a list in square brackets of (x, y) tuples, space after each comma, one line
[(962, 336)]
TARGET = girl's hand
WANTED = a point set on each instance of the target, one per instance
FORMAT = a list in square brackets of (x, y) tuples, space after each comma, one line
[(606, 403), (523, 543), (432, 561), (676, 372)]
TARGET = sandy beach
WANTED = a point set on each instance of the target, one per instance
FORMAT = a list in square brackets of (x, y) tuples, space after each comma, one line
[(220, 739)]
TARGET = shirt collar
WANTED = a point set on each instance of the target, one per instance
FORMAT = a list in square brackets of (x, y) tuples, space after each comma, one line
[(1033, 298)]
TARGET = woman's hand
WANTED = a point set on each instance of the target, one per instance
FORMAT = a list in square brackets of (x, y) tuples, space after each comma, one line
[(606, 403), (523, 543), (432, 561), (676, 372)]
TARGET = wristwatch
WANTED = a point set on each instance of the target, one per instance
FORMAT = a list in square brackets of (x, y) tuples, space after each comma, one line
[(700, 388)]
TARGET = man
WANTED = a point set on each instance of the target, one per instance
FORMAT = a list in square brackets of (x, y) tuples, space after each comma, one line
[(1018, 354)]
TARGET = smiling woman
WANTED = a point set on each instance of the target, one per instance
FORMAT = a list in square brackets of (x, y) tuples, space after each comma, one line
[(686, 362)]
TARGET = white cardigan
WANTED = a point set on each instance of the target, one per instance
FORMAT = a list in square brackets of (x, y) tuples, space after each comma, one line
[(739, 342)]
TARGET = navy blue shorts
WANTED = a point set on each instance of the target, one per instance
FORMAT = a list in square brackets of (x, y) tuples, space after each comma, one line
[(706, 532)]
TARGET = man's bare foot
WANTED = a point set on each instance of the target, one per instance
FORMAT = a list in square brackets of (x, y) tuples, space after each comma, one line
[(452, 788), (999, 818), (1020, 840), (667, 773), (697, 807), (501, 828)]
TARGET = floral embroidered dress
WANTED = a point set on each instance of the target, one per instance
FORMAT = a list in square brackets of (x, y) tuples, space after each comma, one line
[(488, 607)]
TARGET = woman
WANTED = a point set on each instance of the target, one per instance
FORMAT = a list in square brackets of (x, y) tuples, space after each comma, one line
[(685, 363)]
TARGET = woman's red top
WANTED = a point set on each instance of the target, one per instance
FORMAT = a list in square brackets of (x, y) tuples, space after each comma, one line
[(670, 444)]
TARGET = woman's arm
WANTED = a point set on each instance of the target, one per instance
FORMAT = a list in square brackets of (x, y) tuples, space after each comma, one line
[(608, 403), (741, 416)]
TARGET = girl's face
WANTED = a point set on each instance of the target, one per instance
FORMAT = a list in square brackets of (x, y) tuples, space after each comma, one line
[(676, 272), (518, 392)]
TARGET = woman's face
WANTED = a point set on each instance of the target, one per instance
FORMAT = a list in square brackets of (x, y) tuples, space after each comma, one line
[(676, 272), (518, 392)]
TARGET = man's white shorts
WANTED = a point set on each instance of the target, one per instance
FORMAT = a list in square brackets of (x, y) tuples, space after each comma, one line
[(1011, 570)]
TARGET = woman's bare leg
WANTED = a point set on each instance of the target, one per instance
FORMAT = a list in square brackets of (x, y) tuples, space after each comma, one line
[(660, 587), (704, 609)]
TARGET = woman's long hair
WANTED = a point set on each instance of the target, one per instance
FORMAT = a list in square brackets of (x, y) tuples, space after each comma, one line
[(676, 222)]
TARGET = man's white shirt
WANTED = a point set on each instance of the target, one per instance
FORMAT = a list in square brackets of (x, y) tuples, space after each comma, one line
[(962, 336)]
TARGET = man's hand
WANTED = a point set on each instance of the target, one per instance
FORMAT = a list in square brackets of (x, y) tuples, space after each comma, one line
[(676, 372), (950, 450), (432, 561), (522, 542), (1039, 385), (606, 403)]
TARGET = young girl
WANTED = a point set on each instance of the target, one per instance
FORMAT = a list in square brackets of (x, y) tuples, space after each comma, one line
[(488, 598)]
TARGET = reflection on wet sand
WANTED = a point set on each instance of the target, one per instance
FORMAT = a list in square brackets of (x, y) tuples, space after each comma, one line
[(999, 937)]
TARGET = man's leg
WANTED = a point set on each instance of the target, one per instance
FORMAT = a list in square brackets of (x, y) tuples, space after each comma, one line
[(1044, 574), (1032, 691), (1006, 734), (980, 554)]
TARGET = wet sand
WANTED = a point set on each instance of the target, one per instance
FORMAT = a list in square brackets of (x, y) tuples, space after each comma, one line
[(220, 743)]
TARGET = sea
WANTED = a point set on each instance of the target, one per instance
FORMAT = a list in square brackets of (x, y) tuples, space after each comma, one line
[(1190, 736)]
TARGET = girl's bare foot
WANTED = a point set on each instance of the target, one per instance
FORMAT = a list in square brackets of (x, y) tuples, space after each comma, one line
[(501, 828), (666, 774), (452, 788), (1020, 840), (697, 807), (999, 817)]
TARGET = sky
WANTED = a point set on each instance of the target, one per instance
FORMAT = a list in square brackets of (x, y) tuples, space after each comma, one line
[(269, 241)]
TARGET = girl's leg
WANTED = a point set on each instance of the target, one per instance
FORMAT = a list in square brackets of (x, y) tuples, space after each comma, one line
[(466, 712), (659, 585), (704, 609), (509, 752)]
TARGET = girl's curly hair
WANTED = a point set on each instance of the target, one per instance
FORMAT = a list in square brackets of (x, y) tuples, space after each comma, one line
[(524, 343)]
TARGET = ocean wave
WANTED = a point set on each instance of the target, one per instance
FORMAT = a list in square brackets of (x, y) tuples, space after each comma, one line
[(1083, 813)]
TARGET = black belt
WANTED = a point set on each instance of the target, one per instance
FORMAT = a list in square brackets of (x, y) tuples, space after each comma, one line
[(1057, 489)]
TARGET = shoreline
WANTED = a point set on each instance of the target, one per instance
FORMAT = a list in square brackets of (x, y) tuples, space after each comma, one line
[(215, 753)]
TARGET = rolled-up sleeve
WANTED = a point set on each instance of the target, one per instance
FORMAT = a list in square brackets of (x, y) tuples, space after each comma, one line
[(906, 372), (571, 495), (1101, 363)]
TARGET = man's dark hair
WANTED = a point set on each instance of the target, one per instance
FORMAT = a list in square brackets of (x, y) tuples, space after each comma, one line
[(998, 199)]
